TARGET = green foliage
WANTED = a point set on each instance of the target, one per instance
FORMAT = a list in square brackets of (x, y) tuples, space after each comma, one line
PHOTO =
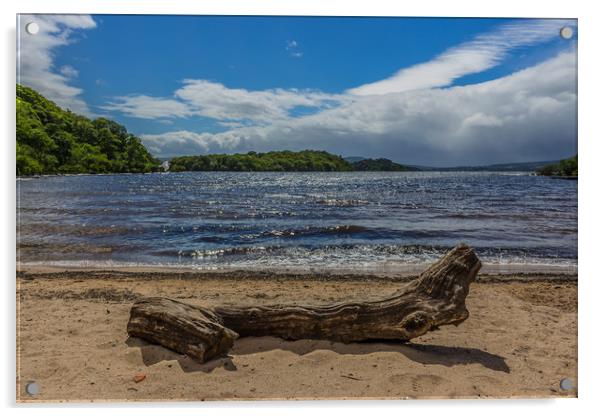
[(283, 161), (52, 140), (381, 165), (566, 167)]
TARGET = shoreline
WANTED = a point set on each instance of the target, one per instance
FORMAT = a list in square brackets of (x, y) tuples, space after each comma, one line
[(488, 272), (443, 170)]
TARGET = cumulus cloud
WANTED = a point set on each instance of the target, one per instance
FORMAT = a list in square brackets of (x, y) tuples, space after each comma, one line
[(528, 115), (483, 52), (35, 57), (147, 107), (214, 100), (186, 142), (229, 106)]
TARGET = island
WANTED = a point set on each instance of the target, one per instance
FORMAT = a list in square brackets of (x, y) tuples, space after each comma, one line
[(380, 165), (277, 161), (281, 161)]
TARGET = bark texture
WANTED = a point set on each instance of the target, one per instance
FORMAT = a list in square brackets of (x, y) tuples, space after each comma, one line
[(435, 298), (196, 332)]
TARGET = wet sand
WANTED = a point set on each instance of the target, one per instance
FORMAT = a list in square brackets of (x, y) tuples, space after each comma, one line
[(519, 341)]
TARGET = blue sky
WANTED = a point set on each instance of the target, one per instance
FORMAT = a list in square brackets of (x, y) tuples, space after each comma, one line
[(417, 90)]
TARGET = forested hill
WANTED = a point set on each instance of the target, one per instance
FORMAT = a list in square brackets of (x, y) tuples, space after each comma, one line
[(381, 165), (52, 140), (281, 161)]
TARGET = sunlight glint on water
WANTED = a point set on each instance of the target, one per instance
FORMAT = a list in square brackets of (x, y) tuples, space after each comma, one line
[(323, 221)]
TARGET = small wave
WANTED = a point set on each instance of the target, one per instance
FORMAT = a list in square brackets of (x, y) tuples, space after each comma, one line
[(316, 231), (349, 253), (284, 196), (217, 252), (471, 216), (500, 216), (342, 202), (242, 213)]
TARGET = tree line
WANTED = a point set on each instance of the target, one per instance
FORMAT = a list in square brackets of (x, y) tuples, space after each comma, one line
[(566, 167), (51, 140), (280, 161)]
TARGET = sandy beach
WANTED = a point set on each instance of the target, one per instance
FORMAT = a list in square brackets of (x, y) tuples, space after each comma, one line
[(519, 341)]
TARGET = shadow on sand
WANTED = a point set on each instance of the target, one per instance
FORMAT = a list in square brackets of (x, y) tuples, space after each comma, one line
[(153, 354), (421, 353)]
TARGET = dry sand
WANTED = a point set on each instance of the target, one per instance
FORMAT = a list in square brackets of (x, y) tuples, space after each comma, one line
[(519, 341)]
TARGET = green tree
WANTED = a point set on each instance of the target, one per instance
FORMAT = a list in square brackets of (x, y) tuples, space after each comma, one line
[(53, 140), (281, 161), (566, 167)]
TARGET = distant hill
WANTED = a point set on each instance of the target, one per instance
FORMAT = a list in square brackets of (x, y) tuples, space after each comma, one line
[(380, 165), (386, 164), (51, 140), (500, 167), (282, 161)]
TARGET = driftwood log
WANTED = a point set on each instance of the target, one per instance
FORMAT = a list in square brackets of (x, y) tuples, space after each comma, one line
[(435, 298), (196, 332)]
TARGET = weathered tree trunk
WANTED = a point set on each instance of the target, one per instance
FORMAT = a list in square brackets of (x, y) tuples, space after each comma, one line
[(196, 332), (435, 298)]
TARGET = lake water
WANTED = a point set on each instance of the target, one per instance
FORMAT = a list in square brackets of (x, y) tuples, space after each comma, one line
[(353, 221)]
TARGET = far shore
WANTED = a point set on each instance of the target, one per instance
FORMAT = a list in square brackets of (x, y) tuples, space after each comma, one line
[(430, 170)]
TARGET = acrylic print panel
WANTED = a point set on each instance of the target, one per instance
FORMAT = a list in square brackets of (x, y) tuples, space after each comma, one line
[(219, 207)]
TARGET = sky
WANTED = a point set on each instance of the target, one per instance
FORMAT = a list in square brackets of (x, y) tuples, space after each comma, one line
[(424, 91)]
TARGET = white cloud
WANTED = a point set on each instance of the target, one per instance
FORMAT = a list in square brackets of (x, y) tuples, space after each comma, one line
[(292, 46), (186, 142), (483, 52), (146, 107), (227, 105), (214, 100), (530, 115), (69, 71), (35, 57)]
